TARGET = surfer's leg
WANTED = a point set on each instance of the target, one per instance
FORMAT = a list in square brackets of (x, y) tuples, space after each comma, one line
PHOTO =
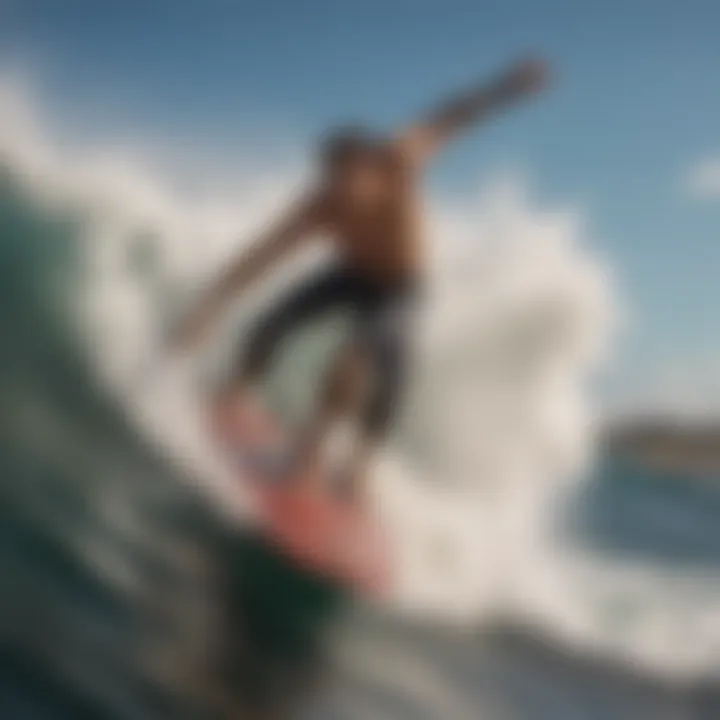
[(385, 342), (299, 306), (296, 308), (361, 389), (389, 363), (373, 418), (355, 475), (236, 402), (364, 387), (341, 398)]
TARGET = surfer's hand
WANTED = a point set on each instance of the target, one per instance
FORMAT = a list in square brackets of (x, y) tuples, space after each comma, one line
[(526, 76)]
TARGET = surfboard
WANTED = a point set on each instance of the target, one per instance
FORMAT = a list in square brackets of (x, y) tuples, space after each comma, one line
[(318, 531)]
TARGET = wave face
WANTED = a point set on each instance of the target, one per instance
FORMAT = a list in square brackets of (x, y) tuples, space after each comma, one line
[(487, 487)]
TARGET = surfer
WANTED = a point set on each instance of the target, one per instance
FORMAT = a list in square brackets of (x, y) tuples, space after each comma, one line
[(366, 202)]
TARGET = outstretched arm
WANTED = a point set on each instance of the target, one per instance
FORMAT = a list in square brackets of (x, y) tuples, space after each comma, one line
[(421, 139), (273, 245)]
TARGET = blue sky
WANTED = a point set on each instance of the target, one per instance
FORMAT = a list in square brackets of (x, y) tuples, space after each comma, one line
[(636, 103)]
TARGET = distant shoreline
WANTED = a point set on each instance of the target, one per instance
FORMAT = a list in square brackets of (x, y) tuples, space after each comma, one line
[(668, 444)]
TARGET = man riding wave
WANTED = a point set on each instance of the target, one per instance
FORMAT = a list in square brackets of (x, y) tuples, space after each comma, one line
[(367, 205)]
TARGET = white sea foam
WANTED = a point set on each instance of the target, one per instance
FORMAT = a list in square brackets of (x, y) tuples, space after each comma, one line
[(498, 426)]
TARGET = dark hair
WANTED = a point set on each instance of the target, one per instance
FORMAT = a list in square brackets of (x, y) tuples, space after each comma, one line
[(347, 143)]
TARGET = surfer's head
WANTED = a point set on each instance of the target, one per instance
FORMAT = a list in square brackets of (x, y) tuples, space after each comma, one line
[(355, 163)]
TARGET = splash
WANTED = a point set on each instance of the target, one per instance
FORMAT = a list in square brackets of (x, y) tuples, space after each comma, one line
[(499, 428)]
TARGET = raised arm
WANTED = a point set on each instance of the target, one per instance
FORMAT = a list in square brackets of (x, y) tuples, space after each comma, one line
[(273, 245), (421, 139)]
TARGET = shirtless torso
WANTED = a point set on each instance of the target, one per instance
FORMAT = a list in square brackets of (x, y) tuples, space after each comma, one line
[(382, 236)]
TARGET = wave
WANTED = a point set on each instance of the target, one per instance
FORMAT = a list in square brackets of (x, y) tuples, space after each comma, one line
[(498, 434)]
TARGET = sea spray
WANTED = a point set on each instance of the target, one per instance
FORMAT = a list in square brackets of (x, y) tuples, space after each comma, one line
[(498, 425)]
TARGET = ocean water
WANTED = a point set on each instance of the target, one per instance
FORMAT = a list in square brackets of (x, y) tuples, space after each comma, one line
[(538, 576)]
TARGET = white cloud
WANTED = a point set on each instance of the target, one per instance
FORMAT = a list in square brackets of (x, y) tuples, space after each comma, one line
[(702, 180)]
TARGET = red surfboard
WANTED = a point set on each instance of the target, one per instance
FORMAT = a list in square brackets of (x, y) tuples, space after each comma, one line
[(317, 530)]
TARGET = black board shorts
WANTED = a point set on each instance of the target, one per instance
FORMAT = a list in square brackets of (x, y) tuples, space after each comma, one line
[(382, 317)]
